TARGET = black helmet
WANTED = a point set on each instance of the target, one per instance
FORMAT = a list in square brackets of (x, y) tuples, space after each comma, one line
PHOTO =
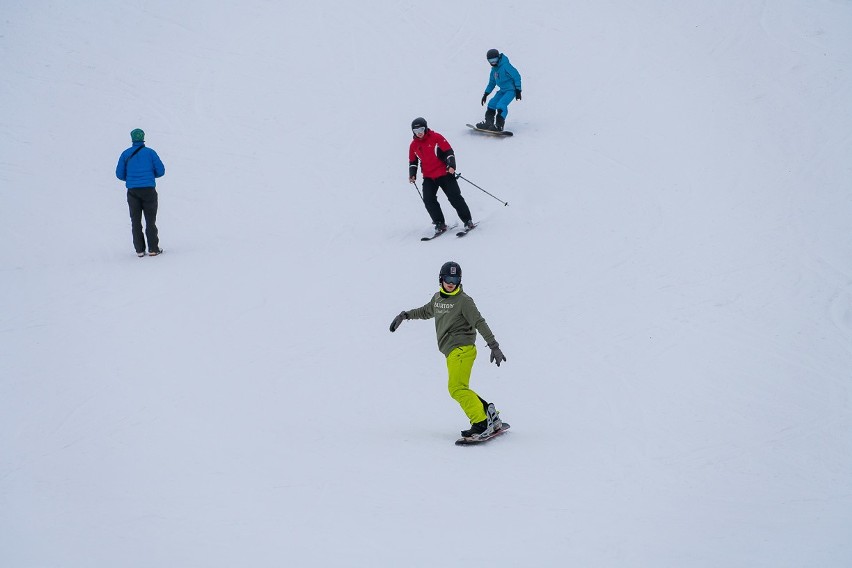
[(450, 273), (418, 122), (492, 54)]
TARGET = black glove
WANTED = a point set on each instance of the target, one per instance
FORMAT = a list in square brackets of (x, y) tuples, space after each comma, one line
[(397, 321), (518, 95), (496, 355), (484, 98), (451, 161)]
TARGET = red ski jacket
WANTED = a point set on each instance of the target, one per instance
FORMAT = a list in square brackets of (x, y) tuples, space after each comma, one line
[(434, 153)]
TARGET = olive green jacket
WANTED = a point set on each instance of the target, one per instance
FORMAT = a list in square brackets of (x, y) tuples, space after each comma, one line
[(456, 320)]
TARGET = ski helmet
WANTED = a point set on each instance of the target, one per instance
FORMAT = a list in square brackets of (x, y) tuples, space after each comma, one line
[(418, 122), (492, 54), (450, 273), (137, 135)]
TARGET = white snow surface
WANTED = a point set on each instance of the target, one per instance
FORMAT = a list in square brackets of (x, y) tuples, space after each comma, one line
[(670, 282)]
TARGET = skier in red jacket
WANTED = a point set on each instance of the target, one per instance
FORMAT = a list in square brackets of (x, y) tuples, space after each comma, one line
[(438, 166)]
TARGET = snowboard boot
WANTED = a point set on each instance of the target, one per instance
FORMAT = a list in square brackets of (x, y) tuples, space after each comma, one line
[(499, 121), (476, 429), (488, 123), (494, 422)]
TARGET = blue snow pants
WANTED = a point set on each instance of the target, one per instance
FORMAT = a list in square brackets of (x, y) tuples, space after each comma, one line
[(501, 100)]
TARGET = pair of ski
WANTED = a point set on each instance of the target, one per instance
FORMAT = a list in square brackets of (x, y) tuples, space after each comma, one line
[(472, 441), (459, 234)]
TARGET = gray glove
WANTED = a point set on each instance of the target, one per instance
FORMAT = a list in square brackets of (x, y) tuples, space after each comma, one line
[(397, 321), (496, 355)]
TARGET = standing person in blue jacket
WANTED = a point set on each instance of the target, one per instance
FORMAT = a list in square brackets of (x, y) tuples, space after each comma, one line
[(504, 76), (137, 167)]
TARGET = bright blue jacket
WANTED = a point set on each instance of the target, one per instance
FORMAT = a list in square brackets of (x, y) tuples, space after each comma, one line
[(141, 169), (503, 75)]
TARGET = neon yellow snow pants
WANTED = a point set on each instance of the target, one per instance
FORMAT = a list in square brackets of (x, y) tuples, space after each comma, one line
[(459, 365)]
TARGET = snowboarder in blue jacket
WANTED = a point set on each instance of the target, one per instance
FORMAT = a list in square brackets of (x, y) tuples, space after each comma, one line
[(504, 76), (137, 167)]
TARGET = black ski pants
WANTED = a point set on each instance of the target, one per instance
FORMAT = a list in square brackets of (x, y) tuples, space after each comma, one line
[(451, 189), (143, 201)]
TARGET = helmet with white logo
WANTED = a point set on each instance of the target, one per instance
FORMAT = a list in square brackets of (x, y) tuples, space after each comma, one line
[(450, 273)]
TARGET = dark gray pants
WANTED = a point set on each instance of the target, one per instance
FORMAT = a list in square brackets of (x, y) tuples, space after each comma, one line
[(451, 188), (143, 201)]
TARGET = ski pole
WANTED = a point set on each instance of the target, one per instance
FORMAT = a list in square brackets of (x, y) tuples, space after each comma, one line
[(418, 190), (480, 189)]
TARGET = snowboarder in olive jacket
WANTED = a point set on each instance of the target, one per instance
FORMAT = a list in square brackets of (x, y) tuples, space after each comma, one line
[(457, 320)]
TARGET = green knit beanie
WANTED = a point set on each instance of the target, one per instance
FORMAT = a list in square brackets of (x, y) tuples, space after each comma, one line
[(137, 135)]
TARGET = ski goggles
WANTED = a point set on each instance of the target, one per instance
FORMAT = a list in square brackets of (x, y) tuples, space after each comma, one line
[(454, 280), (493, 60), (419, 130)]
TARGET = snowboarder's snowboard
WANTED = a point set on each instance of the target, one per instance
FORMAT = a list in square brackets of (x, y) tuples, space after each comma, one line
[(475, 441), (491, 132)]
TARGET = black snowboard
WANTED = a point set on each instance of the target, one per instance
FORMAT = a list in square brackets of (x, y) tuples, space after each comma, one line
[(503, 133)]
